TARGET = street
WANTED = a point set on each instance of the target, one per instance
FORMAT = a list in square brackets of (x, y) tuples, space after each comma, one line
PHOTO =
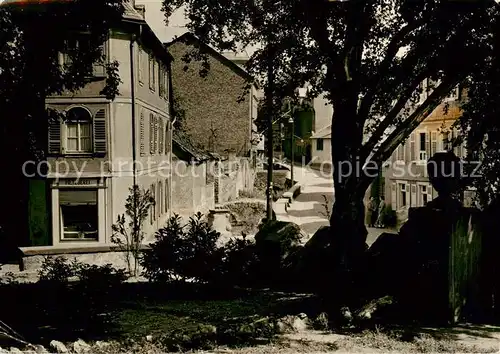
[(308, 210)]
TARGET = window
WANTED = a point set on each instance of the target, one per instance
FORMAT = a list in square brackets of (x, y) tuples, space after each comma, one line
[(140, 65), (446, 141), (79, 131), (81, 44), (456, 148), (454, 94), (152, 73), (422, 155), (79, 214), (402, 195), (319, 144)]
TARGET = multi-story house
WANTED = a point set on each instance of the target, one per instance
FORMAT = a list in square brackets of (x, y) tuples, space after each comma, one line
[(91, 153), (405, 177), (218, 112)]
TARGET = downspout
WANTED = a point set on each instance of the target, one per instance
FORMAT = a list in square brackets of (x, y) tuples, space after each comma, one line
[(132, 94)]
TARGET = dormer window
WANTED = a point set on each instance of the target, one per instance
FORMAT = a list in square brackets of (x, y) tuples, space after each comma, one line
[(79, 131)]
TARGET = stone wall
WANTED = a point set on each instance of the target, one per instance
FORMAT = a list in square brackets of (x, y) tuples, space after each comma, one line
[(235, 176)]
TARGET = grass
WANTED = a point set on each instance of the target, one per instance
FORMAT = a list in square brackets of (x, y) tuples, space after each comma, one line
[(183, 317)]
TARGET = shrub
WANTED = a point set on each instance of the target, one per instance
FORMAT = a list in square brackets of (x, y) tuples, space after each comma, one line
[(389, 217), (57, 270), (183, 252), (128, 236), (163, 259), (80, 302), (239, 263)]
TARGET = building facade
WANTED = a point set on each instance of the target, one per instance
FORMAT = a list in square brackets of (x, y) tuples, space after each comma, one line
[(91, 152), (218, 112), (406, 183)]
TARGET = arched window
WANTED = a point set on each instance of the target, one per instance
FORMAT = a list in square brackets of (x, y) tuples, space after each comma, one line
[(79, 130)]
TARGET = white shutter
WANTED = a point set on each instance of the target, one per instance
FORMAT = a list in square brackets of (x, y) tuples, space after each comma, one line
[(412, 146), (100, 132), (413, 201), (434, 147), (428, 145), (394, 202), (140, 64)]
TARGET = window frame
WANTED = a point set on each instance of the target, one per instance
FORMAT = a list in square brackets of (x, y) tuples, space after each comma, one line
[(78, 122), (318, 140), (95, 204)]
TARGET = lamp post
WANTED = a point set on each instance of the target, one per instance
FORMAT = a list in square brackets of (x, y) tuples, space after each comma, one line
[(292, 122)]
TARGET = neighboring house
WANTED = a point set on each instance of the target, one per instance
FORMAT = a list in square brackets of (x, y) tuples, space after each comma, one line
[(323, 112), (193, 182), (91, 152), (219, 113), (405, 178), (322, 147)]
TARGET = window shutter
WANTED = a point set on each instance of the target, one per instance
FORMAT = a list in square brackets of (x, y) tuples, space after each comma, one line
[(100, 132), (142, 137), (428, 145), (151, 133), (456, 149), (412, 147), (55, 136), (162, 134), (161, 82), (140, 65), (166, 195), (167, 136), (155, 143), (433, 143)]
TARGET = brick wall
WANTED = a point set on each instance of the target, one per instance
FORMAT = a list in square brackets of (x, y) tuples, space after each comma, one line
[(214, 118)]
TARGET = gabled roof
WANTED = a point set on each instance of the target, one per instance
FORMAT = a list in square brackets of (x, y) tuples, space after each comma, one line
[(187, 151), (323, 133), (190, 38)]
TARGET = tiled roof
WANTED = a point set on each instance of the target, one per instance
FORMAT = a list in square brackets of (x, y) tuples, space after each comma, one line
[(182, 141)]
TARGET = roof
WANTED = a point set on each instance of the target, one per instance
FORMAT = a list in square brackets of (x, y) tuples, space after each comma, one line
[(131, 11), (189, 37), (323, 133), (187, 151)]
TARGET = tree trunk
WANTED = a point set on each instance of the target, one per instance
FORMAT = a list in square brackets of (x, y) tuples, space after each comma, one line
[(347, 221)]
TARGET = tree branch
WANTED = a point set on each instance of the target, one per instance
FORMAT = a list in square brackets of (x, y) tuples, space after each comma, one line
[(409, 125), (392, 115), (392, 50)]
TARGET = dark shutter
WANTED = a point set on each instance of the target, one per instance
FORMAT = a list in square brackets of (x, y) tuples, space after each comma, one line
[(155, 131), (55, 136), (142, 137), (161, 136), (99, 68), (412, 147), (428, 145), (100, 132), (151, 133)]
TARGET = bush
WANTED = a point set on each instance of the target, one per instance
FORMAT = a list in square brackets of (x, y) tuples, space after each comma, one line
[(239, 263), (83, 300), (389, 217), (182, 252)]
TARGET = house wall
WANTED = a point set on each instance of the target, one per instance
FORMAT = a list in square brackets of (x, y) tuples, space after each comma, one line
[(407, 184), (192, 190), (214, 119), (322, 156), (323, 112), (111, 173)]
